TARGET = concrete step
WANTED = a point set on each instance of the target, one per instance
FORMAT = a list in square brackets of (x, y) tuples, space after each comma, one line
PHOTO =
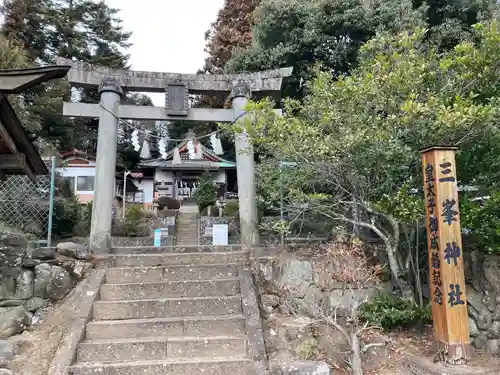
[(172, 327), (173, 249), (191, 366), (161, 348), (166, 307), (172, 273), (176, 258), (170, 289)]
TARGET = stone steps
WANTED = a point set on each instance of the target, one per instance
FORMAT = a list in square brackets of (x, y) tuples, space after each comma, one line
[(168, 259), (161, 348), (121, 275), (170, 311), (193, 366), (174, 249), (166, 307), (171, 327), (170, 289), (187, 229)]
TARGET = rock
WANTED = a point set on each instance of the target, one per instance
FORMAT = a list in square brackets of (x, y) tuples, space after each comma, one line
[(477, 310), (13, 238), (480, 342), (4, 364), (24, 285), (42, 279), (31, 263), (68, 265), (74, 250), (343, 300), (60, 283), (11, 302), (13, 320), (34, 304), (44, 253), (265, 271), (491, 269), (494, 331), (473, 330), (81, 269), (4, 371), (296, 276), (12, 257), (6, 350), (493, 346), (7, 285), (313, 301), (305, 368), (270, 300)]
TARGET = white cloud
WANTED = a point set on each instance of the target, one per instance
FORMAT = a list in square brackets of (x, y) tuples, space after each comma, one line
[(168, 35)]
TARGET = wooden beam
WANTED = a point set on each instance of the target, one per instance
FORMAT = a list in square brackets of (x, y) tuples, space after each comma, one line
[(12, 162), (5, 136), (15, 81), (446, 269), (16, 132), (15, 164), (134, 112)]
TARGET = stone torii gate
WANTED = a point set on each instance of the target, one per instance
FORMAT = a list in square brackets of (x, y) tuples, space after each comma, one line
[(112, 83)]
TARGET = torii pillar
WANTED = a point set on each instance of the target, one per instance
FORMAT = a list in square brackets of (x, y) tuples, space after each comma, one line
[(100, 231), (245, 168)]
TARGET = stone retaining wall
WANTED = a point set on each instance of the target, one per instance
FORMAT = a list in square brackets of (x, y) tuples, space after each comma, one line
[(31, 278)]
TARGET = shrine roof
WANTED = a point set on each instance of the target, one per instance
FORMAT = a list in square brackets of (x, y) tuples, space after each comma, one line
[(19, 155), (187, 164), (209, 159)]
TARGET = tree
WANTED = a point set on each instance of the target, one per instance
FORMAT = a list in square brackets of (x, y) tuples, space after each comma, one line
[(81, 29), (232, 29), (450, 21), (298, 33), (13, 56), (301, 33), (357, 138)]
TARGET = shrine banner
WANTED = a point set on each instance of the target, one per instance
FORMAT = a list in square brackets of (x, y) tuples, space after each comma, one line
[(444, 240)]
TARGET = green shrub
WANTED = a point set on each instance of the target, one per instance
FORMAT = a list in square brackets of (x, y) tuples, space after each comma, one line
[(67, 213), (206, 194), (389, 311), (481, 219), (133, 217)]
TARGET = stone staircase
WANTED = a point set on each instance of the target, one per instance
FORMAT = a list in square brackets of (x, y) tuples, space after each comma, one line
[(172, 311), (187, 229)]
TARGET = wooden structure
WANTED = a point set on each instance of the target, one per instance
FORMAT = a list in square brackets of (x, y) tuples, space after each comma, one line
[(447, 280), (17, 153)]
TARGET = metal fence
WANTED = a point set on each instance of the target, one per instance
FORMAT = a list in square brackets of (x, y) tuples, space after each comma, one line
[(27, 205)]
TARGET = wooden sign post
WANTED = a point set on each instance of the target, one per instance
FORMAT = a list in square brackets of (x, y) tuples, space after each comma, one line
[(447, 280)]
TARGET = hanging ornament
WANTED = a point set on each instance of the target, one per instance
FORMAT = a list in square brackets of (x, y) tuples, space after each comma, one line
[(177, 156), (199, 153), (145, 154), (216, 144), (191, 150), (162, 145), (135, 140)]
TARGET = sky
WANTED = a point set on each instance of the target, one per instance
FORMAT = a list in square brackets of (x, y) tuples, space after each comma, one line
[(168, 35)]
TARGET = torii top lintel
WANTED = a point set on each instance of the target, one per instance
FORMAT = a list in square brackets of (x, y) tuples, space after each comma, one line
[(262, 83)]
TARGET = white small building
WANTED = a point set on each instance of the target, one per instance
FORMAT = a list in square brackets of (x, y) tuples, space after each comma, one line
[(177, 175), (78, 169)]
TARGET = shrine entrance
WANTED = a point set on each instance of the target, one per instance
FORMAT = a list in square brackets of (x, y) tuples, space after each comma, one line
[(113, 83)]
